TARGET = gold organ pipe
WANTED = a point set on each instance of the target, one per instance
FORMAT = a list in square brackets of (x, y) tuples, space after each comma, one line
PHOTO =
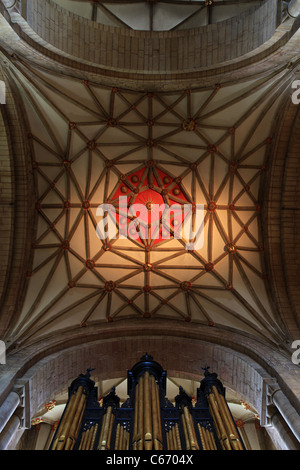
[(112, 419), (156, 414), (104, 444), (64, 433), (171, 439), (171, 432), (121, 445), (94, 436), (174, 437), (208, 440), (106, 433), (186, 436), (194, 432), (74, 413), (148, 441), (127, 440), (86, 435), (117, 437), (202, 437), (177, 437), (190, 429), (135, 424), (124, 439), (226, 421), (168, 441), (80, 444), (102, 430), (211, 438), (223, 434), (233, 430), (83, 441), (140, 427), (159, 435), (89, 434), (63, 421), (75, 424), (155, 423), (78, 425), (88, 439), (217, 429), (147, 433)]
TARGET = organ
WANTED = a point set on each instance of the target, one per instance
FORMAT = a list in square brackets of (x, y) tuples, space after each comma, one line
[(147, 420)]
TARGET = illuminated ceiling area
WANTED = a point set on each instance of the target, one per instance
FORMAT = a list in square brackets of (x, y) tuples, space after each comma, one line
[(163, 15), (205, 146)]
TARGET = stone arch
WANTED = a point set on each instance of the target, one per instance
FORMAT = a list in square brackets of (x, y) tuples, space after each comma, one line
[(282, 204), (243, 364), (254, 370), (16, 197)]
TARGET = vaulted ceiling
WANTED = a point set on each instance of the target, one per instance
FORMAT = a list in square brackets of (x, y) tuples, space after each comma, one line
[(203, 146)]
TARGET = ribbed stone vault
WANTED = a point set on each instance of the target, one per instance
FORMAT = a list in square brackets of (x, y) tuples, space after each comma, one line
[(206, 146)]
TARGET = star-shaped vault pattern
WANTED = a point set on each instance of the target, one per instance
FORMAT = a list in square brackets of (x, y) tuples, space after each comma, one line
[(91, 144)]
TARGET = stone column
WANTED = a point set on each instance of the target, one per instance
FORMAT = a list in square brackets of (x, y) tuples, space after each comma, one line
[(7, 408), (287, 411), (9, 432), (286, 441), (282, 415), (294, 8)]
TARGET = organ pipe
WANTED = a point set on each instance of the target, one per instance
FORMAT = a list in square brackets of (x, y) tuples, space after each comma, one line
[(67, 431), (227, 431), (147, 420)]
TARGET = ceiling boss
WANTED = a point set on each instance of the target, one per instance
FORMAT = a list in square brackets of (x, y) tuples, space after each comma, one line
[(151, 212)]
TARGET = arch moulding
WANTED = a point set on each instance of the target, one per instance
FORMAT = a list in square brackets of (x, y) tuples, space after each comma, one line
[(243, 364)]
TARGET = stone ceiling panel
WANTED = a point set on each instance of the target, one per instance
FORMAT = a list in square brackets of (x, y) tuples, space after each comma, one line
[(203, 148)]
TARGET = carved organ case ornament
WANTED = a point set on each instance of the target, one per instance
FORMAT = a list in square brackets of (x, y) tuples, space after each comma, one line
[(147, 420)]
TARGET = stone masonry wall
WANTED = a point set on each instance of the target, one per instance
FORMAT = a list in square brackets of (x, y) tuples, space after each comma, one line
[(163, 52), (282, 224), (15, 203), (6, 208)]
